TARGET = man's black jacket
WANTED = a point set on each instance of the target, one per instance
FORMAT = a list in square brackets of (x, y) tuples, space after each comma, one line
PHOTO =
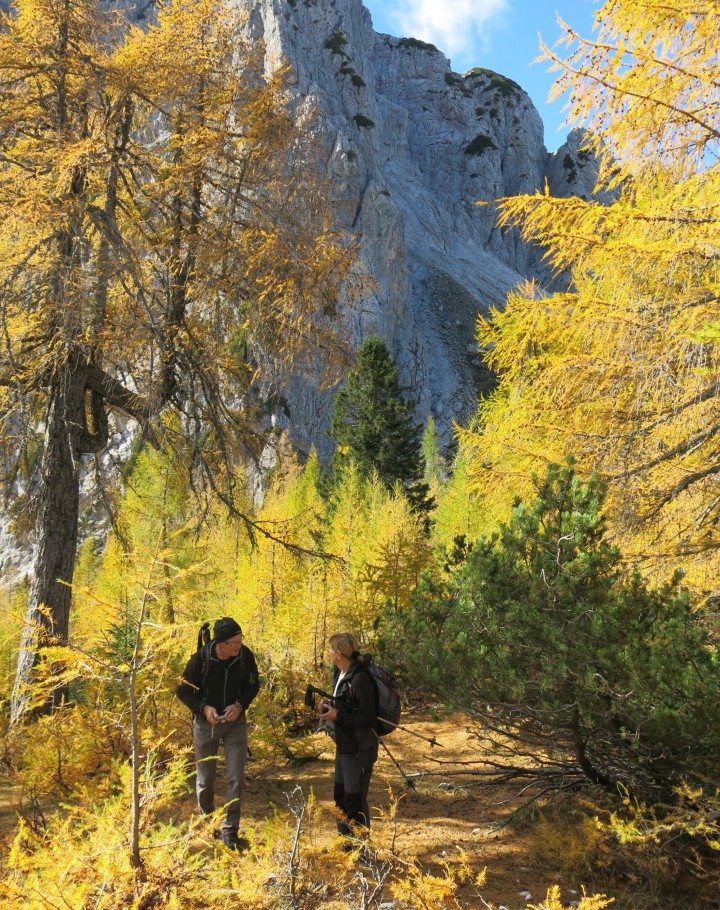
[(223, 683)]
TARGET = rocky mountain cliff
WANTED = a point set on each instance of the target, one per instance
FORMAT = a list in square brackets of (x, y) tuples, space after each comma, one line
[(411, 147)]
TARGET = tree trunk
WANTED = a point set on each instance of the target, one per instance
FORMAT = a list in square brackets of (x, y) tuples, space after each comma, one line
[(48, 610), (79, 393), (588, 769), (135, 858)]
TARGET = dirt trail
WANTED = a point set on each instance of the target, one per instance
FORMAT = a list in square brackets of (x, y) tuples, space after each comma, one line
[(440, 818)]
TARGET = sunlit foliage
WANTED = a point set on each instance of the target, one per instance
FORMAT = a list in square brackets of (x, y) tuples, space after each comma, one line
[(622, 371)]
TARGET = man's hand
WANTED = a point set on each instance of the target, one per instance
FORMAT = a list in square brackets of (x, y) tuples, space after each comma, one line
[(232, 712), (211, 715)]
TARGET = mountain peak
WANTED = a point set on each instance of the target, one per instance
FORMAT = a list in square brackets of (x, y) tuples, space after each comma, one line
[(411, 147)]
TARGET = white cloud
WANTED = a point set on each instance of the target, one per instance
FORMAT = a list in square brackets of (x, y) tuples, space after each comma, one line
[(453, 26)]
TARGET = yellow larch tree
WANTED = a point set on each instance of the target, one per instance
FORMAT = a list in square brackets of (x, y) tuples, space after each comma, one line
[(383, 546), (459, 511), (283, 577), (165, 245), (623, 370), (398, 552)]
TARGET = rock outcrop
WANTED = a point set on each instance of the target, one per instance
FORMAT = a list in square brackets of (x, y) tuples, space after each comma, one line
[(411, 148)]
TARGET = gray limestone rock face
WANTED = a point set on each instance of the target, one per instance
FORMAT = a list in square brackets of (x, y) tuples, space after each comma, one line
[(574, 170), (417, 154)]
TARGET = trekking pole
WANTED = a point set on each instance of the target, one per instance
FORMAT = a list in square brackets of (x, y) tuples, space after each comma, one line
[(408, 781), (312, 691), (427, 739)]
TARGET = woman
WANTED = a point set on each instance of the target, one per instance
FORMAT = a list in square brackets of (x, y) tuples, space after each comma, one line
[(353, 718)]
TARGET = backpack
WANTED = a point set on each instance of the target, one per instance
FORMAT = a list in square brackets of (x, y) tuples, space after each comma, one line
[(387, 699), (203, 642)]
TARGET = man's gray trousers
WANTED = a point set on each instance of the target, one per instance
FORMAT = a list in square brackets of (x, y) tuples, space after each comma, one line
[(234, 737)]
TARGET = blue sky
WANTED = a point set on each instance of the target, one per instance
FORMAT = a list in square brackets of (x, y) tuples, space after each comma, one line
[(501, 35)]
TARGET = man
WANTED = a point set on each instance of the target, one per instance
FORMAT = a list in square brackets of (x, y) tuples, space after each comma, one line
[(218, 684)]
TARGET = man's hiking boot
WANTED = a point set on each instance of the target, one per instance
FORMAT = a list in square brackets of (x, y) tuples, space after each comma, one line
[(354, 845), (231, 840)]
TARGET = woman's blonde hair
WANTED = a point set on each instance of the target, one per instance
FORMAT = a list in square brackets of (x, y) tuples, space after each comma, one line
[(344, 643)]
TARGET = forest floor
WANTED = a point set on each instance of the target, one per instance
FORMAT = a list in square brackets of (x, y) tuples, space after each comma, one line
[(524, 849), (438, 819)]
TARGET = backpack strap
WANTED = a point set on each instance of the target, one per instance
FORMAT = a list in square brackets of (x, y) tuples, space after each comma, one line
[(203, 643), (203, 635), (205, 660), (361, 665)]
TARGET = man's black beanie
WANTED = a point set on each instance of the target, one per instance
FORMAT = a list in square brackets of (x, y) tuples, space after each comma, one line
[(225, 628)]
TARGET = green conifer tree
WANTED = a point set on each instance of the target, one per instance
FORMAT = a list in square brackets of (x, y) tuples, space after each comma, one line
[(372, 424), (542, 624)]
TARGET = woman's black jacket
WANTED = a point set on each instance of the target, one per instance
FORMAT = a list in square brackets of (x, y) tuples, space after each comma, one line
[(356, 712)]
